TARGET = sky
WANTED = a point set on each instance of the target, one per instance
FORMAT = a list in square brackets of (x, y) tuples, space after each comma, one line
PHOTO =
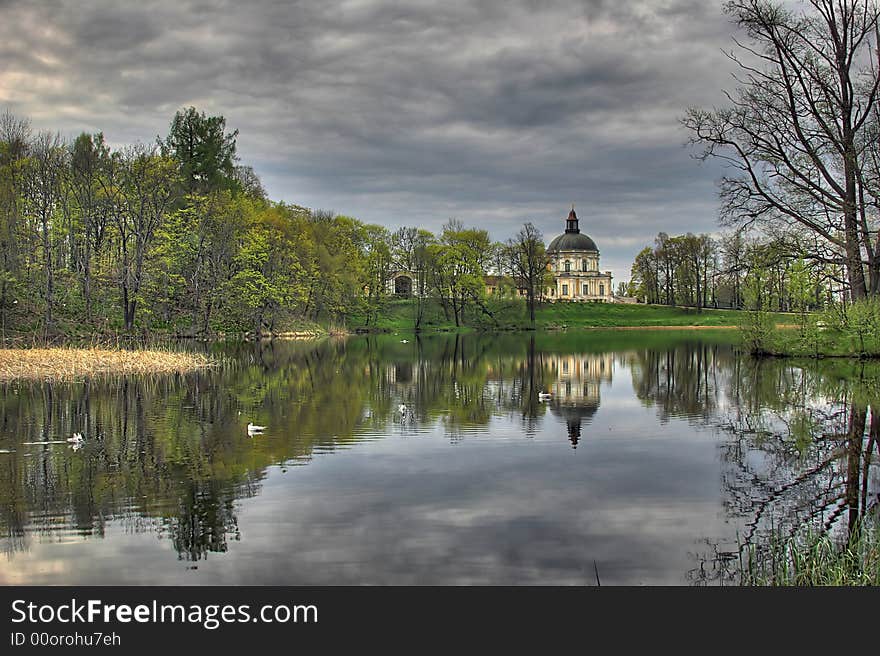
[(408, 113)]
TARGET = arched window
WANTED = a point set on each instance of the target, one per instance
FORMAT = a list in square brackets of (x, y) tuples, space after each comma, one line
[(567, 265), (403, 286)]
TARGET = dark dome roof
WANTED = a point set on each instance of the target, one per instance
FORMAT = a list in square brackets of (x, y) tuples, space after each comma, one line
[(583, 410), (572, 241)]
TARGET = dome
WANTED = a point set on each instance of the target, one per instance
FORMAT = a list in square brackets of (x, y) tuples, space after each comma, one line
[(573, 239)]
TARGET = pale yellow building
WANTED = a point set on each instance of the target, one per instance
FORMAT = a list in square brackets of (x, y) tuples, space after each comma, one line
[(573, 259)]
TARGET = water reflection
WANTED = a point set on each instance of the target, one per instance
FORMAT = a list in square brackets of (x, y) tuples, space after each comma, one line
[(576, 381), (786, 444)]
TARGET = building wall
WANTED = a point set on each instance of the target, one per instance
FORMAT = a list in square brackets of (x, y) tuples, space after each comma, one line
[(581, 280)]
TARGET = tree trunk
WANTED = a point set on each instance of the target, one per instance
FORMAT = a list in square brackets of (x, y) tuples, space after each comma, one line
[(50, 282)]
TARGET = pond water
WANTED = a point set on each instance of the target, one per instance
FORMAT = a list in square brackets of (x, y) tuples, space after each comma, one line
[(658, 455)]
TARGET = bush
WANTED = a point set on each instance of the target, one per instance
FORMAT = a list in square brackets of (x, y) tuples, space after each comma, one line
[(758, 329)]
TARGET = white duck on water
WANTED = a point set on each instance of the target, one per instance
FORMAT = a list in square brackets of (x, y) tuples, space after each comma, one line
[(253, 429), (76, 438)]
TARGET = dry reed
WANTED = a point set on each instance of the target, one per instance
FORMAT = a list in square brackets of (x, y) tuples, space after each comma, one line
[(74, 363)]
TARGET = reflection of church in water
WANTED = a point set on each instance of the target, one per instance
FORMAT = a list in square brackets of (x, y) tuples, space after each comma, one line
[(575, 380)]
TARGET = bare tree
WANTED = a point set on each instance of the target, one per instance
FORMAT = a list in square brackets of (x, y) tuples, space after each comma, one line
[(796, 126), (527, 260)]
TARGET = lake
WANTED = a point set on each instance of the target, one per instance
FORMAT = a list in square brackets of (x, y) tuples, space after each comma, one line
[(397, 459)]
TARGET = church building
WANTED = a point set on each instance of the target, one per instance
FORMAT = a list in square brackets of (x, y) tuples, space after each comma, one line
[(573, 259)]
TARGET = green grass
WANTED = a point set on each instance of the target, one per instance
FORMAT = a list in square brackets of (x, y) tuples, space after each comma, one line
[(398, 315), (815, 560), (830, 344), (619, 315), (838, 331)]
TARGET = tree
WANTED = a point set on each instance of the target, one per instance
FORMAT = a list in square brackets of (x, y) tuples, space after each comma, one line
[(797, 129), (145, 187), (409, 252), (15, 136), (457, 264), (527, 260), (645, 274), (205, 152), (377, 267), (88, 154), (45, 171)]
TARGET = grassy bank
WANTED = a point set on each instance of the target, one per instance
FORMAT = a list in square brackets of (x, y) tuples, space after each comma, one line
[(399, 315), (843, 331), (57, 364), (815, 560)]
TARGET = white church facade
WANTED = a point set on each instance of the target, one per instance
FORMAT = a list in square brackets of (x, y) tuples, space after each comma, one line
[(573, 260)]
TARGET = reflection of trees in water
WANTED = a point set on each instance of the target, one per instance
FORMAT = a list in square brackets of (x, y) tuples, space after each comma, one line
[(171, 454), (687, 381), (801, 456), (802, 435), (148, 442), (204, 520)]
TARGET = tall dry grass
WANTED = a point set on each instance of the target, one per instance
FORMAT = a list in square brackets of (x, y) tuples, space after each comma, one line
[(72, 363)]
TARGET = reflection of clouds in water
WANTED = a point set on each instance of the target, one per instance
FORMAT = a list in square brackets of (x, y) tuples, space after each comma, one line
[(424, 511), (478, 484), (525, 516)]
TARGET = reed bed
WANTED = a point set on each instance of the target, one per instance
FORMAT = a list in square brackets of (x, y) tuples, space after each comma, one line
[(63, 363), (817, 560)]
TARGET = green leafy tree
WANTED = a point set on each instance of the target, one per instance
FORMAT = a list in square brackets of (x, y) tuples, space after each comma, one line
[(204, 150)]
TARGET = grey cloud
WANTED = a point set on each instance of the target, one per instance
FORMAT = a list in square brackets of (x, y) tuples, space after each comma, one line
[(399, 113)]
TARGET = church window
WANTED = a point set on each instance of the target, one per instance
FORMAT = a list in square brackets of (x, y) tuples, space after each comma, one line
[(565, 290), (567, 265), (583, 265), (601, 289), (586, 290)]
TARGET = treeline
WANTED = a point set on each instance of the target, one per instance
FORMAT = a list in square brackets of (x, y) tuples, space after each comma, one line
[(733, 271), (172, 235), (177, 236)]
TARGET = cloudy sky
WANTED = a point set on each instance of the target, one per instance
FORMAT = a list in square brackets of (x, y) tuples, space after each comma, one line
[(405, 113)]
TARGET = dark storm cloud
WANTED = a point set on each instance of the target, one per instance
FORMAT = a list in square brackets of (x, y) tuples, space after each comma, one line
[(405, 113)]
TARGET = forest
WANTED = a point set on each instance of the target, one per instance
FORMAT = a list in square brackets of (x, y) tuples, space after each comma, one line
[(734, 270), (177, 237)]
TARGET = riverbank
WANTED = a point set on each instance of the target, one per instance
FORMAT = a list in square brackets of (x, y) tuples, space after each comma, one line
[(400, 316), (849, 331), (60, 364)]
